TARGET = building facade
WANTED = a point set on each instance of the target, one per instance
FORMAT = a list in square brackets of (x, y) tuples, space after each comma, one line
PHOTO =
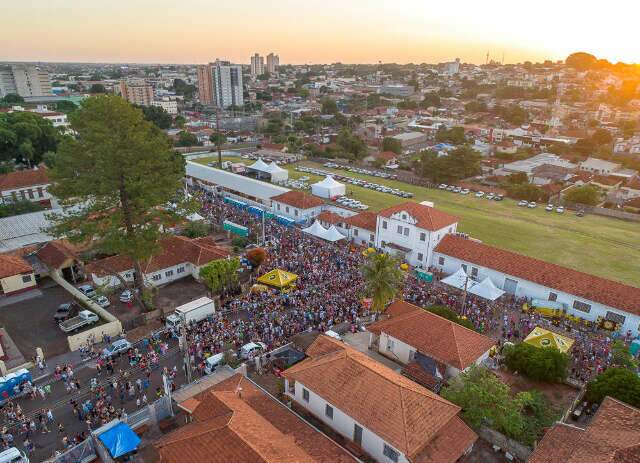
[(273, 61), (136, 92), (16, 275), (170, 106), (205, 84), (227, 84), (257, 65), (24, 80)]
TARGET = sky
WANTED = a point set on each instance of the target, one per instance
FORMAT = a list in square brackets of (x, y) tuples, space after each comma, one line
[(316, 31)]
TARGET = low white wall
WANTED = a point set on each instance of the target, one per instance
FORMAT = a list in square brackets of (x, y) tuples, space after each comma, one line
[(95, 334)]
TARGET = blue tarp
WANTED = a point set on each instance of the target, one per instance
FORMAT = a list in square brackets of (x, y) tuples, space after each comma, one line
[(120, 440)]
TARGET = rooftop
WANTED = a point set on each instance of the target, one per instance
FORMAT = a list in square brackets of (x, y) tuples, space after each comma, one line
[(427, 218), (364, 220), (11, 265), (23, 178), (298, 199)]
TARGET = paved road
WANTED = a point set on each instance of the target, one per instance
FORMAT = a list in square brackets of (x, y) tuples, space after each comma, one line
[(59, 401)]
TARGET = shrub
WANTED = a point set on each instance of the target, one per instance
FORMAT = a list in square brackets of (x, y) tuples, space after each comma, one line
[(542, 364), (619, 383), (446, 312)]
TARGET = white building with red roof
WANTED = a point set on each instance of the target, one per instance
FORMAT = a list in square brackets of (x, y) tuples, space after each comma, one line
[(26, 185), (297, 205), (412, 230), (582, 295), (16, 275)]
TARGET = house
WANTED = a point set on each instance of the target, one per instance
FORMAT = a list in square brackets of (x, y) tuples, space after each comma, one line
[(613, 435), (631, 189), (26, 185), (437, 346), (235, 421), (411, 231), (586, 296), (388, 416), (16, 275), (60, 258), (362, 228), (179, 257), (328, 218), (385, 158), (297, 205), (412, 141), (599, 166)]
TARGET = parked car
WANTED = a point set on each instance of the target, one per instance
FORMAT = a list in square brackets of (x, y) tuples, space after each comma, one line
[(251, 349), (479, 194), (498, 197), (116, 348), (84, 318), (443, 186), (126, 296), (450, 188), (523, 203), (489, 196), (532, 205), (457, 189), (549, 208), (102, 301), (465, 191), (66, 311), (580, 213), (87, 290), (560, 210)]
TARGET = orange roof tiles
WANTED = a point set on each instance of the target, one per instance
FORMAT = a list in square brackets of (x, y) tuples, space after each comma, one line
[(612, 436), (175, 250), (236, 422), (434, 336), (428, 218), (330, 217), (403, 413), (591, 287), (54, 254), (365, 220), (11, 265), (298, 199), (23, 178), (386, 155)]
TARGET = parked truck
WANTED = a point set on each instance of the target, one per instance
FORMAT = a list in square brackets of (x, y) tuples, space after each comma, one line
[(84, 318), (191, 312)]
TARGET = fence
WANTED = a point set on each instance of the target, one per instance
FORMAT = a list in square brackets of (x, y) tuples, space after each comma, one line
[(518, 450), (81, 453)]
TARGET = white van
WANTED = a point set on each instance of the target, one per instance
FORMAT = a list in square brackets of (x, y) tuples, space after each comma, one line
[(212, 363), (333, 335), (252, 349), (13, 455)]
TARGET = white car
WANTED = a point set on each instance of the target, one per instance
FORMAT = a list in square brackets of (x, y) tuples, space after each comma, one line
[(479, 194), (116, 348), (549, 208), (126, 296), (560, 210), (251, 349), (523, 203), (465, 191), (490, 196), (531, 205), (102, 301), (443, 186)]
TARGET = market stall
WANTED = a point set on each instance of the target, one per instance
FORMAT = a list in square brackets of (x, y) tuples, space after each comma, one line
[(540, 337), (459, 280), (328, 188), (278, 278), (486, 290)]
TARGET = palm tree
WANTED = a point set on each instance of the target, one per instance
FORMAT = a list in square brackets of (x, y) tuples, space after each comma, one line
[(383, 279)]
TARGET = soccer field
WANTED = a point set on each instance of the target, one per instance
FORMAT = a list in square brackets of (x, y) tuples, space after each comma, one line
[(602, 246)]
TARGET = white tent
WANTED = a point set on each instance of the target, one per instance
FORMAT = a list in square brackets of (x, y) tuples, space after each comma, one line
[(316, 230), (195, 217), (278, 174), (333, 234), (328, 188), (260, 166), (487, 290), (459, 280)]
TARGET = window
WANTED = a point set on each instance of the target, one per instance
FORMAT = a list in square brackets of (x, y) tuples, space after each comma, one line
[(553, 297), (355, 232), (581, 306), (510, 286), (419, 256), (30, 191), (26, 278), (287, 209), (180, 270), (404, 216), (328, 410), (440, 260), (40, 193), (464, 267), (384, 224), (615, 317), (406, 231), (371, 237), (156, 277), (399, 230), (423, 237), (474, 272), (357, 434), (390, 344), (278, 206), (168, 273), (305, 395), (295, 212), (391, 453)]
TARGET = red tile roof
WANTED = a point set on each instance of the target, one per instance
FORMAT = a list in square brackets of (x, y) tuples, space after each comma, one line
[(403, 413), (54, 254), (428, 218), (591, 287), (330, 217), (434, 336), (236, 422), (24, 178), (386, 155), (365, 220), (298, 199), (11, 265), (175, 250), (612, 436)]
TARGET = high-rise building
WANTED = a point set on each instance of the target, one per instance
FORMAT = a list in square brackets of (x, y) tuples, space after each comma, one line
[(205, 84), (257, 65), (220, 83), (272, 62), (136, 92), (24, 80)]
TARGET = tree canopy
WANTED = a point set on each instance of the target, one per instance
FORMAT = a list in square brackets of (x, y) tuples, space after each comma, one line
[(351, 144), (157, 115), (26, 136), (186, 138), (392, 144), (588, 195), (220, 275), (542, 364), (463, 162), (619, 383), (117, 174), (383, 279), (446, 312)]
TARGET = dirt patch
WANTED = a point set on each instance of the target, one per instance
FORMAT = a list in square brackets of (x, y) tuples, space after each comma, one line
[(179, 292), (560, 395)]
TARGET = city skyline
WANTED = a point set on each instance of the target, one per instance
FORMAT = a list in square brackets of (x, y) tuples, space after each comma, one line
[(405, 31)]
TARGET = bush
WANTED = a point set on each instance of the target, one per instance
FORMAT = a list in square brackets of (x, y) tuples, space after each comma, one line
[(449, 314), (588, 195), (619, 383), (542, 364), (19, 207), (256, 256), (196, 229), (239, 242)]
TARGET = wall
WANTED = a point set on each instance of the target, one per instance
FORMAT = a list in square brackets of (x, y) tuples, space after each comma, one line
[(113, 282), (341, 422), (400, 352), (14, 283), (518, 450), (363, 236), (302, 214), (533, 290), (76, 341)]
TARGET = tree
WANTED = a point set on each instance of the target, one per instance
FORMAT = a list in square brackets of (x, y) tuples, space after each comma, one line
[(619, 383), (584, 146), (454, 135), (526, 191), (26, 136), (217, 139), (351, 144), (621, 357), (446, 312), (542, 364), (179, 121), (157, 115), (66, 106), (329, 106), (601, 137), (19, 207), (581, 61), (462, 162), (184, 89), (383, 279), (116, 178), (12, 99), (196, 229), (256, 256), (392, 144), (187, 139), (49, 159), (588, 195), (220, 275), (97, 88), (475, 106)]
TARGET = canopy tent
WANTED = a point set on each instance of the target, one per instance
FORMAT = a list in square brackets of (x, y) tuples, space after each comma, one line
[(120, 440), (195, 217), (540, 337), (259, 165), (278, 174), (333, 234), (487, 290), (328, 188), (278, 278), (316, 230), (459, 280)]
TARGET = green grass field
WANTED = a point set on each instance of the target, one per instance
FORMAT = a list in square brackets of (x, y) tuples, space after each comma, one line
[(602, 246)]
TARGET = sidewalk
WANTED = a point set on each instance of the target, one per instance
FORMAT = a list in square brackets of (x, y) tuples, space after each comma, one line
[(73, 358)]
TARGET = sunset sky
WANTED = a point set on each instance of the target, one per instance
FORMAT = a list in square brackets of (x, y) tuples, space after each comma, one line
[(316, 31)]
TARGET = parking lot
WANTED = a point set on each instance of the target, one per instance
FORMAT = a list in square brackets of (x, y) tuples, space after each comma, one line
[(30, 322)]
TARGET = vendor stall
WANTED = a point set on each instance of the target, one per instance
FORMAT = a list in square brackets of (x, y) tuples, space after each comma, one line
[(278, 278), (486, 290), (541, 337), (328, 188), (459, 280)]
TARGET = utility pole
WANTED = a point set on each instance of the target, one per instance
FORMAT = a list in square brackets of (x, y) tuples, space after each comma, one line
[(264, 213), (185, 347), (464, 296), (218, 137)]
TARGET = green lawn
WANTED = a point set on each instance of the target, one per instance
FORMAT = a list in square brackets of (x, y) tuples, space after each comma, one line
[(598, 245)]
